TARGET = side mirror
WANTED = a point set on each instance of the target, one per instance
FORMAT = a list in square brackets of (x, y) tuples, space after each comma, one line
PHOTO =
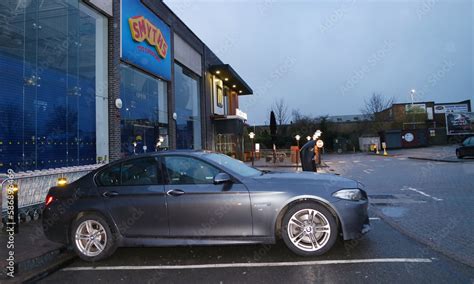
[(221, 178)]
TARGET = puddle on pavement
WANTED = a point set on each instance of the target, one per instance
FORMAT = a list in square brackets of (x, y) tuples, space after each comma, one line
[(392, 211)]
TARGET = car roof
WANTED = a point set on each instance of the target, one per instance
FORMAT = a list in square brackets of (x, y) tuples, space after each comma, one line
[(163, 152)]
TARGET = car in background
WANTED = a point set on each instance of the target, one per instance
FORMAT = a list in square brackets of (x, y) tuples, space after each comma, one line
[(466, 149), (173, 198)]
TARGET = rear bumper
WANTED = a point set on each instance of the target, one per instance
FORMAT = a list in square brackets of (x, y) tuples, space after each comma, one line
[(354, 218), (55, 223)]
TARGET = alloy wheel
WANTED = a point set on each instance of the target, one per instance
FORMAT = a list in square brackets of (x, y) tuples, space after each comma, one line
[(309, 230), (91, 238)]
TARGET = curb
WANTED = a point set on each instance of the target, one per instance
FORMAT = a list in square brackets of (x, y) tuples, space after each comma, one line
[(31, 270), (63, 259), (438, 160), (397, 226), (385, 156)]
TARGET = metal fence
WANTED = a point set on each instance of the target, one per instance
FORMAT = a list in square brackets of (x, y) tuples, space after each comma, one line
[(34, 185)]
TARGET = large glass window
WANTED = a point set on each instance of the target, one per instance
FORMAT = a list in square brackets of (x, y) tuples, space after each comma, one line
[(188, 122), (144, 113), (51, 69)]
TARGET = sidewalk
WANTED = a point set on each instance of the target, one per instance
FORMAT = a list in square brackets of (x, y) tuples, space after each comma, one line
[(34, 254)]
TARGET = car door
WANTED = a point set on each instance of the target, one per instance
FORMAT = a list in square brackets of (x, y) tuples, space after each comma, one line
[(469, 148), (199, 208), (133, 192)]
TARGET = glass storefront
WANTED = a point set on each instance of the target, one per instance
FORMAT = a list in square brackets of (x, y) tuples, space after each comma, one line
[(188, 122), (144, 113), (52, 80)]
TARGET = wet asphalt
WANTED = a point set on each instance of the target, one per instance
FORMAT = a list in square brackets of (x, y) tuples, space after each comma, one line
[(276, 264)]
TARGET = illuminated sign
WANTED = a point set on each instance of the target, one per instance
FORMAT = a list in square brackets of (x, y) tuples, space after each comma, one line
[(142, 29), (145, 39), (240, 114)]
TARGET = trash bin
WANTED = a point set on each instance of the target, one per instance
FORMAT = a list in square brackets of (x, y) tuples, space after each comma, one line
[(307, 157)]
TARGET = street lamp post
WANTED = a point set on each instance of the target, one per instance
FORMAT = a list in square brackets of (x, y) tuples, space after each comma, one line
[(134, 147), (252, 136), (297, 137), (158, 144)]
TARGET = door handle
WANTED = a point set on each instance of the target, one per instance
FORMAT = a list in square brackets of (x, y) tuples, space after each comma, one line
[(110, 194), (175, 192)]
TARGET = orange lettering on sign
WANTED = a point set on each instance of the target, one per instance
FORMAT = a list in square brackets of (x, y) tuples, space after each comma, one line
[(142, 29)]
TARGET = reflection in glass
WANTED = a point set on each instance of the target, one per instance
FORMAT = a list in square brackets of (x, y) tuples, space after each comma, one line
[(188, 123), (49, 77), (144, 114)]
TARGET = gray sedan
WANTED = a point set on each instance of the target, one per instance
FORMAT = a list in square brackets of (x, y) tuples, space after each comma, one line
[(202, 198)]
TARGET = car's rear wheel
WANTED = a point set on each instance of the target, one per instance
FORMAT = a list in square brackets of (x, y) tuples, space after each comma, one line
[(91, 238), (458, 154), (309, 229)]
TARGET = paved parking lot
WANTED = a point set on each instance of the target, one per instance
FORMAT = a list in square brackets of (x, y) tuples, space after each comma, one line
[(429, 201), (384, 255), (420, 212)]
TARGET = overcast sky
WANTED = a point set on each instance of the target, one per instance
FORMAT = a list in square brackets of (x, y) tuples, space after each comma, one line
[(325, 57)]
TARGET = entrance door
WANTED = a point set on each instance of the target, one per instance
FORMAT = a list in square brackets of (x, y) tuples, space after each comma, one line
[(199, 208)]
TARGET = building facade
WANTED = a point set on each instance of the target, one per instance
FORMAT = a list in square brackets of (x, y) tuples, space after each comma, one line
[(92, 81)]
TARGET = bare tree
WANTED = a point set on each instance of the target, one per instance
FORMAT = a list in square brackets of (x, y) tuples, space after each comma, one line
[(281, 111), (375, 104)]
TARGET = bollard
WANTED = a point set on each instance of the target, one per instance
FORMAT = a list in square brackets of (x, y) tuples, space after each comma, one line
[(385, 152), (377, 150)]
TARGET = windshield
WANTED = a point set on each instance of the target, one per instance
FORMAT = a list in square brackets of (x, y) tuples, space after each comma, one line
[(234, 165)]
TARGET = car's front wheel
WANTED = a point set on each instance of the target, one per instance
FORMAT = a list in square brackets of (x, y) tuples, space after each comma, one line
[(91, 238), (309, 229)]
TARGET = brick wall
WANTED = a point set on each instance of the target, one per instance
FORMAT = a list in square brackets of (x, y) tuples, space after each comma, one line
[(114, 81)]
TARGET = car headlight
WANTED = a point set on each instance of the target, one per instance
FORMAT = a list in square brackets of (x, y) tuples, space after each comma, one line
[(349, 194)]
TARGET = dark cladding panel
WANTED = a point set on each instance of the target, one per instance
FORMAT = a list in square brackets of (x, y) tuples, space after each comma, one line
[(229, 126)]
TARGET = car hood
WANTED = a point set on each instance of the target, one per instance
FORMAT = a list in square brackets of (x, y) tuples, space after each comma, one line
[(307, 178)]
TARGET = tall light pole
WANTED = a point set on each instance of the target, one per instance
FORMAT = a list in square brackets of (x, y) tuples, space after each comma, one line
[(252, 136), (297, 137), (412, 95)]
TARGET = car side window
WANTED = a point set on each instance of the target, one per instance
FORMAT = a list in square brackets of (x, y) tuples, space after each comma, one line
[(110, 176), (188, 170), (470, 141), (142, 171)]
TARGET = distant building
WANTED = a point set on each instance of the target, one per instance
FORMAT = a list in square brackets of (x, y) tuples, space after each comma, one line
[(349, 118), (420, 123)]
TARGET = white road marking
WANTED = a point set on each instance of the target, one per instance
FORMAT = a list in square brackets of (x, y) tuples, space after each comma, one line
[(422, 193), (356, 161), (261, 264), (342, 162), (368, 171), (374, 218)]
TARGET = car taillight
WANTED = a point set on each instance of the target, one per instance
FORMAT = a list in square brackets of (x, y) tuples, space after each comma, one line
[(49, 199)]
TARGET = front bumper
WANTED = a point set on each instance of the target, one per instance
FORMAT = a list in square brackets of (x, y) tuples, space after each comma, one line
[(354, 218)]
